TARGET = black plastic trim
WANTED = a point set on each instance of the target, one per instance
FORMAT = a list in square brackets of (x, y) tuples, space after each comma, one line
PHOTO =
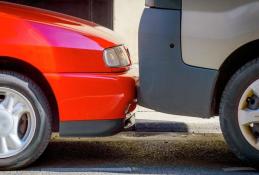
[(167, 84), (165, 4), (91, 128)]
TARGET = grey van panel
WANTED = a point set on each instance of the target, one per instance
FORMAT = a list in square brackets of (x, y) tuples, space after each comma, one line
[(166, 83), (213, 29), (164, 4)]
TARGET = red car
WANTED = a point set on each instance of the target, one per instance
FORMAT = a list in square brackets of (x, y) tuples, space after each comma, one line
[(58, 73)]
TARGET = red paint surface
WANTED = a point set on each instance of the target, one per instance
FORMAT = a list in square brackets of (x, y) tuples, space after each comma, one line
[(69, 53)]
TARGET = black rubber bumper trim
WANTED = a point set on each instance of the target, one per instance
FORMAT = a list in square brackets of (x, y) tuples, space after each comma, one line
[(92, 128), (167, 83), (164, 4)]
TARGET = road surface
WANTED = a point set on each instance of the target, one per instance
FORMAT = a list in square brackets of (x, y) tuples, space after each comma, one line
[(140, 153)]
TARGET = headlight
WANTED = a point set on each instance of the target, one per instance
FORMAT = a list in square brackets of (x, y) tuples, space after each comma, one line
[(116, 57)]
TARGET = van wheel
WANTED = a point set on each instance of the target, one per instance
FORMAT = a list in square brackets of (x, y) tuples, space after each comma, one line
[(239, 113), (25, 126)]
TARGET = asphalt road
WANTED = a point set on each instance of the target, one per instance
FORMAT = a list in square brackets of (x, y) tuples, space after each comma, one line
[(139, 153)]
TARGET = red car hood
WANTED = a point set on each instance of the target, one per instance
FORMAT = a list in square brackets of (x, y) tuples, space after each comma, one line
[(60, 20)]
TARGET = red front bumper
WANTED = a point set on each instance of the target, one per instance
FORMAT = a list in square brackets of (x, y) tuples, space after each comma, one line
[(93, 96)]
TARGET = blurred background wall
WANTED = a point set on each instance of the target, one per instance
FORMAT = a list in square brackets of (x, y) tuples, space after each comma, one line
[(127, 14)]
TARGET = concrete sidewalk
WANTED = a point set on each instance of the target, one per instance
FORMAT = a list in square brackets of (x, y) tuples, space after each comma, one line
[(151, 121)]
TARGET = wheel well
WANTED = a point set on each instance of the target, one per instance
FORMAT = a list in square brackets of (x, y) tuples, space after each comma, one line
[(235, 61), (12, 64)]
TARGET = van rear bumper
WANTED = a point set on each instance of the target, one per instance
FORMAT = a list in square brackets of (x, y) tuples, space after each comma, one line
[(167, 84)]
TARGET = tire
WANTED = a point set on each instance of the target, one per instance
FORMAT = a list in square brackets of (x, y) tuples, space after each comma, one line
[(235, 102), (36, 123)]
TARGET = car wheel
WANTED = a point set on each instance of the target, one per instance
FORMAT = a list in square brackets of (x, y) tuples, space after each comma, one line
[(239, 113), (25, 125)]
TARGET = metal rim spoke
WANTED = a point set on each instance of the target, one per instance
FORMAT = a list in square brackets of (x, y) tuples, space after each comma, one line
[(246, 117), (3, 145), (19, 109), (255, 87), (15, 125), (13, 141), (18, 122), (9, 102)]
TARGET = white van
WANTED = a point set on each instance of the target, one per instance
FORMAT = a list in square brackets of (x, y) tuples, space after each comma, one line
[(201, 58)]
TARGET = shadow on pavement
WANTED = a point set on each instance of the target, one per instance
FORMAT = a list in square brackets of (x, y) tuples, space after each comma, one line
[(161, 126), (137, 155)]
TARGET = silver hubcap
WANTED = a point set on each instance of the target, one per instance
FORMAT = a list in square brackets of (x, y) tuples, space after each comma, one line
[(248, 114), (17, 122)]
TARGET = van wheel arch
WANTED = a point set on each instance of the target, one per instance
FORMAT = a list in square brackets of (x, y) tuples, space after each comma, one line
[(230, 66)]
